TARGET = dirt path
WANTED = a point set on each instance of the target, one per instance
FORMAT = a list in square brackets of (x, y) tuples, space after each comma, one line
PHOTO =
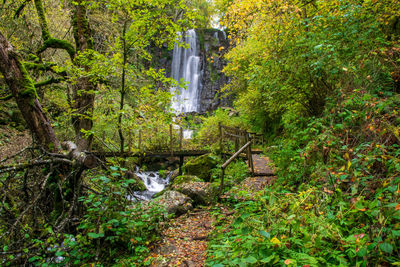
[(12, 142), (185, 242), (263, 165)]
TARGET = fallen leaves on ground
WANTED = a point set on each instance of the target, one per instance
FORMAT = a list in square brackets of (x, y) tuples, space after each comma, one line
[(184, 243)]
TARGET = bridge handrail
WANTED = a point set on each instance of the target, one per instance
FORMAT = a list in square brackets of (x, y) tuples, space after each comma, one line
[(239, 134)]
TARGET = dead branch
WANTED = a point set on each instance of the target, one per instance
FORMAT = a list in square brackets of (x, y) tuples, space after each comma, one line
[(18, 167), (82, 158), (42, 187), (16, 154)]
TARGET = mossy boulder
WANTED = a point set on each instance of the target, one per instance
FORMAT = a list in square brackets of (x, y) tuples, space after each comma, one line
[(201, 167), (163, 173), (185, 179), (202, 193), (135, 183), (174, 202), (173, 176)]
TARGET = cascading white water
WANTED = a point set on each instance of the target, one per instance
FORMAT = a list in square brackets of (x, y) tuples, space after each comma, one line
[(186, 65), (153, 182)]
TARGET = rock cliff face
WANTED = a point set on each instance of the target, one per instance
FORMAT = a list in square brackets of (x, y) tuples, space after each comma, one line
[(212, 45)]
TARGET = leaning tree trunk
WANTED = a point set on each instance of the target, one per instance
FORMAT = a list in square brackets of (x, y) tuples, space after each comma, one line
[(24, 92), (83, 90)]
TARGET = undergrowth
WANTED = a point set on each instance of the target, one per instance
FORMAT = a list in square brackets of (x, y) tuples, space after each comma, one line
[(336, 199)]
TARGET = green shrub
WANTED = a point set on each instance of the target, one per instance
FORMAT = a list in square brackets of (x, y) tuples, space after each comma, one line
[(113, 228)]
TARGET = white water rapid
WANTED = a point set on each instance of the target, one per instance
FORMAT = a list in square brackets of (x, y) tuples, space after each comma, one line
[(153, 182), (186, 66)]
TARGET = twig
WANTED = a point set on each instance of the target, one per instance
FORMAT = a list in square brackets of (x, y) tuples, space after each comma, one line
[(16, 154), (22, 166), (104, 143), (44, 183)]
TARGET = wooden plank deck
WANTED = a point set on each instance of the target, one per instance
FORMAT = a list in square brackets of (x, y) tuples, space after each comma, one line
[(262, 166), (152, 154)]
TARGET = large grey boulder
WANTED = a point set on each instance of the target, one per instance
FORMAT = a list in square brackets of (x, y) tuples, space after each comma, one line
[(202, 193), (174, 202)]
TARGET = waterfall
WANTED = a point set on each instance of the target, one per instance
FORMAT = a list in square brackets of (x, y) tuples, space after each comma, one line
[(186, 66)]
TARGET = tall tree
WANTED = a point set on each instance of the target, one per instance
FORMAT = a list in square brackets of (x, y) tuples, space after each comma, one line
[(83, 87), (24, 92)]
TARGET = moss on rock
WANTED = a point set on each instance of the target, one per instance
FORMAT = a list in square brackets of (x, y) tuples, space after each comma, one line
[(202, 193), (185, 179), (201, 167), (135, 183)]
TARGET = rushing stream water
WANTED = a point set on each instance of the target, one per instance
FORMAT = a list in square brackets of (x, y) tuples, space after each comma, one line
[(153, 182)]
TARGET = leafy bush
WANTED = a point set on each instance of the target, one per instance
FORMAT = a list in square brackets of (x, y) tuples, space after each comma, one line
[(209, 131), (113, 228), (310, 228)]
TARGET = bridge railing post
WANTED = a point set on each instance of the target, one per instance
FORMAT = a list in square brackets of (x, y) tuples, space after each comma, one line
[(140, 140), (171, 140), (249, 155), (220, 136), (221, 185), (180, 138), (236, 139)]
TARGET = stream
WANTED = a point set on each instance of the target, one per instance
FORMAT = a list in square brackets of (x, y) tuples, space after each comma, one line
[(153, 182)]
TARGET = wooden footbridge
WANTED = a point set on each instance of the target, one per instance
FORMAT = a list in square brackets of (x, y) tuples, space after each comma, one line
[(231, 141)]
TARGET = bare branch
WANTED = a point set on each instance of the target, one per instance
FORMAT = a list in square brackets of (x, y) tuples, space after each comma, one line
[(34, 163)]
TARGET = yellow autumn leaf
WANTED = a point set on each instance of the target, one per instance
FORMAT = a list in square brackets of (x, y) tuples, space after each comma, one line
[(348, 165), (275, 241)]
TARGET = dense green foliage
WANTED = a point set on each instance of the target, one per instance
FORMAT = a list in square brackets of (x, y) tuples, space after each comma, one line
[(112, 228), (326, 91), (320, 79)]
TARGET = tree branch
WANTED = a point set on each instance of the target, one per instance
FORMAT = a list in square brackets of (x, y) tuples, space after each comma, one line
[(20, 9), (58, 44), (49, 41), (34, 163), (47, 66), (6, 98), (49, 81)]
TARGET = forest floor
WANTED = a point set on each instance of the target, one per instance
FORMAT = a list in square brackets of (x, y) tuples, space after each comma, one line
[(11, 142), (185, 241)]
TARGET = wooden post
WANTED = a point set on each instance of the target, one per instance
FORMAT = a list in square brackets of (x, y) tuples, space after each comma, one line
[(250, 156), (130, 141), (180, 138), (171, 140), (140, 140), (221, 185), (220, 136), (237, 139), (181, 158), (247, 152)]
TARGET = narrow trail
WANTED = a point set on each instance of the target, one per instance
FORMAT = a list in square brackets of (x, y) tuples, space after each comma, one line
[(185, 242), (263, 166)]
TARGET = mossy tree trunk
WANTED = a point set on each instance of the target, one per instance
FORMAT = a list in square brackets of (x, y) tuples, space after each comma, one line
[(24, 92), (84, 89)]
